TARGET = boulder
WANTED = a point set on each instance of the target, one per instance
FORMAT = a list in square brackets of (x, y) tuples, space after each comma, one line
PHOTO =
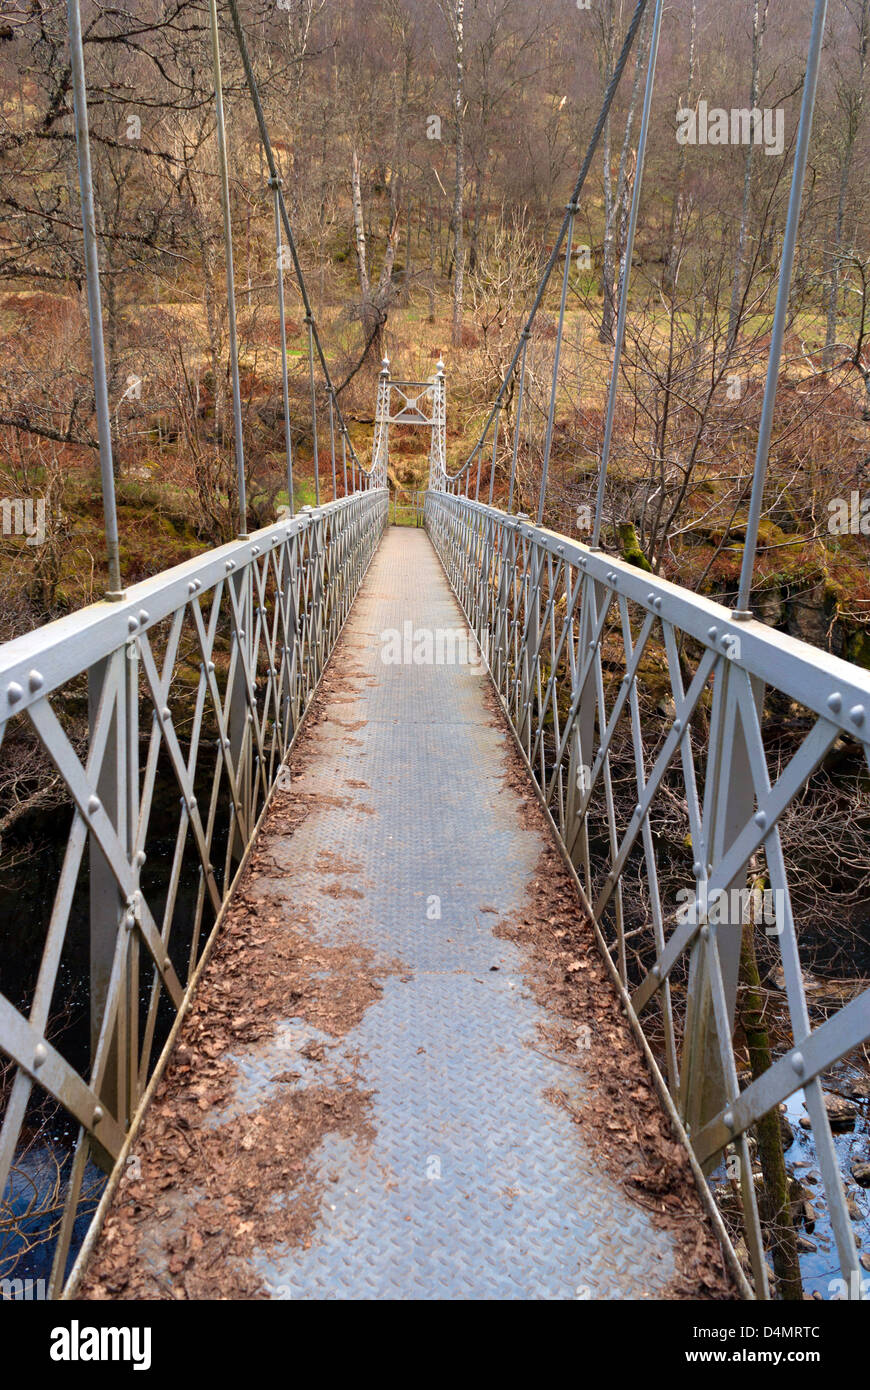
[(861, 1172)]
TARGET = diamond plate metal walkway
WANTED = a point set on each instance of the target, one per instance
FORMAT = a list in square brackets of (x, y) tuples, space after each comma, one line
[(465, 1180)]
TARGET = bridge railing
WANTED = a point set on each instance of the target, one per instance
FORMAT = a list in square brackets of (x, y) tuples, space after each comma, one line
[(642, 710), (168, 716)]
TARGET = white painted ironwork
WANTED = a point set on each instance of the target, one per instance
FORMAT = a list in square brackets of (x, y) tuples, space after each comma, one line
[(256, 620), (570, 634)]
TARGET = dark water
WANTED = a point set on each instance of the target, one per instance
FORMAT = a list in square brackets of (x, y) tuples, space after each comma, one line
[(29, 874)]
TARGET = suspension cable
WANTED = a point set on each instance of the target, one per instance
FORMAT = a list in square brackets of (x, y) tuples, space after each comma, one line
[(223, 168), (783, 289), (95, 314), (622, 312), (314, 337)]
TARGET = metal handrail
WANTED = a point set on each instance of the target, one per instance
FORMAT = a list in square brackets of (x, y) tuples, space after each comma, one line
[(545, 609), (262, 615)]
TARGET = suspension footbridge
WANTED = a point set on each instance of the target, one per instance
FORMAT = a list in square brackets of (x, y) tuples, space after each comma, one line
[(375, 1015)]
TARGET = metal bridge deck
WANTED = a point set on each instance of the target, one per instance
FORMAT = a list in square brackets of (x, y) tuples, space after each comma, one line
[(452, 1174)]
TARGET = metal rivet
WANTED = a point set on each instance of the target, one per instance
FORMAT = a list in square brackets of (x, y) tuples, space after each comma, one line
[(697, 868), (14, 692), (167, 964), (678, 725), (705, 932), (211, 666), (165, 714), (141, 857), (650, 598), (835, 702), (637, 810), (231, 564), (728, 1117), (130, 921), (798, 1063), (132, 623), (857, 714), (98, 1114), (40, 1054), (93, 805), (35, 681), (657, 604), (255, 550), (712, 633), (760, 819), (656, 972)]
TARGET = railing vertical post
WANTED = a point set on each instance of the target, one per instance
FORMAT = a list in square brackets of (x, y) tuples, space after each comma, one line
[(316, 561), (275, 185), (583, 752), (223, 166), (95, 314), (780, 314), (380, 476), (131, 785), (239, 714), (310, 322), (516, 444), (494, 452), (108, 685), (622, 311), (729, 802), (331, 394), (557, 353)]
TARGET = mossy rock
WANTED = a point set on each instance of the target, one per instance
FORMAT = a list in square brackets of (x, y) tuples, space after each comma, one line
[(630, 546), (858, 648)]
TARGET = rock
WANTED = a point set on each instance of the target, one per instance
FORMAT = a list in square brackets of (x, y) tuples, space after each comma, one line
[(811, 617), (667, 708), (811, 1216), (865, 1260), (806, 1246), (855, 1212), (767, 605), (786, 1131), (861, 1172), (857, 1088), (842, 1113)]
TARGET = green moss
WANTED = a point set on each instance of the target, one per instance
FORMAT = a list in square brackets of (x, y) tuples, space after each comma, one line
[(630, 546), (858, 648)]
